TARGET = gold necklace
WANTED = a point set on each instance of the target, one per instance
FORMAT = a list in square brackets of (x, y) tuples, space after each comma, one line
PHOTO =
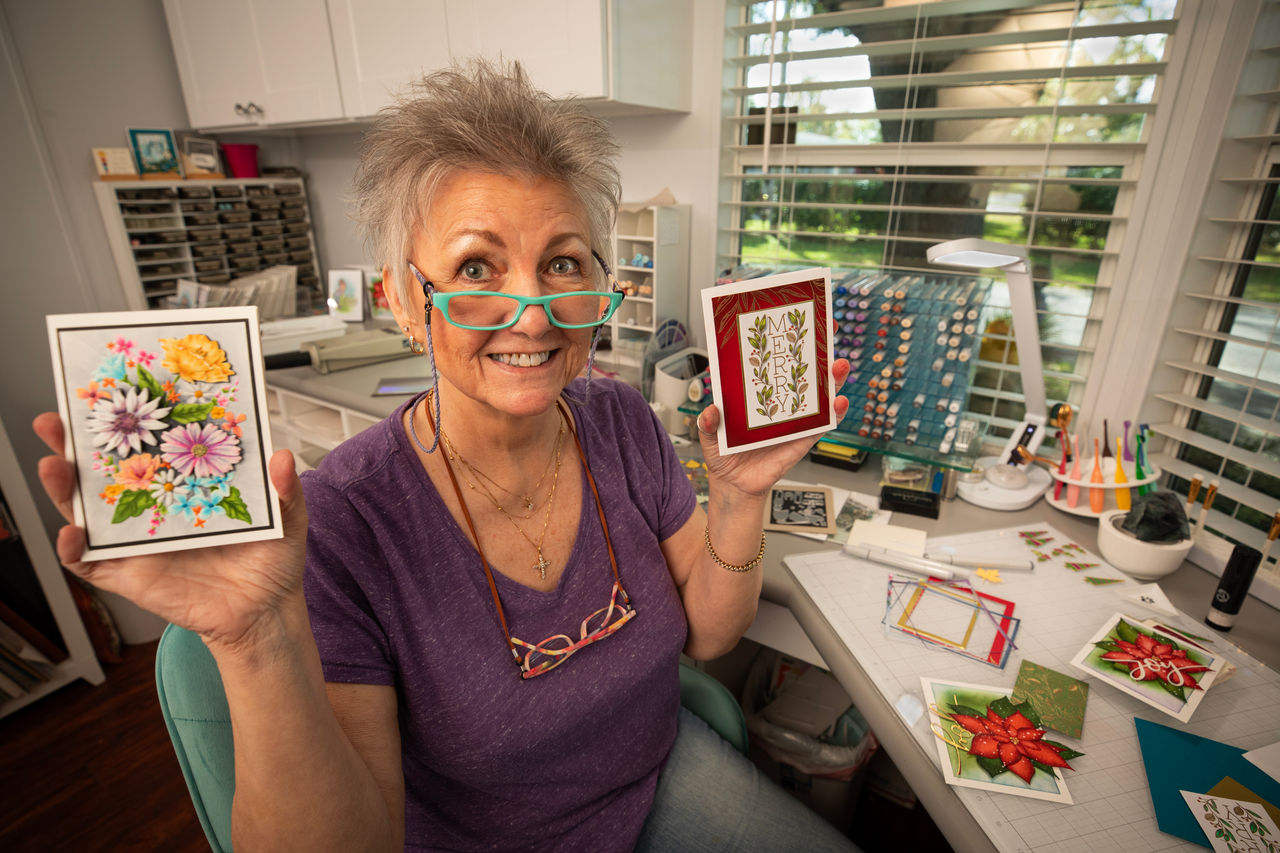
[(527, 500), (543, 563)]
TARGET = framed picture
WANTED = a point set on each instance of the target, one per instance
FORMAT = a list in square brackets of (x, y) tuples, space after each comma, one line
[(1157, 667), (155, 152), (801, 509), (379, 306), (769, 340), (346, 294), (199, 156), (165, 414), (115, 164)]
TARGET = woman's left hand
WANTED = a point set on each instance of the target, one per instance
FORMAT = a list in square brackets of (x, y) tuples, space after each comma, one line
[(754, 472)]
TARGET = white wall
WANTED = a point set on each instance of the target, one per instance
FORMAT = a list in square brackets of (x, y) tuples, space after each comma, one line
[(73, 75)]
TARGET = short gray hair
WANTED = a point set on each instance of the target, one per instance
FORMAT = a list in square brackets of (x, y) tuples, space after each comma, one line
[(483, 116)]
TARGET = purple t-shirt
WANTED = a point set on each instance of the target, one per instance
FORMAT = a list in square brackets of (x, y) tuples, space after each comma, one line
[(568, 760)]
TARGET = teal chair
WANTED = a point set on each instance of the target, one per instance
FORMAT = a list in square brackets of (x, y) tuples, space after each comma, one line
[(199, 722)]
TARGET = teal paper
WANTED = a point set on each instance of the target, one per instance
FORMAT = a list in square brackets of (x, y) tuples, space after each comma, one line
[(1178, 761)]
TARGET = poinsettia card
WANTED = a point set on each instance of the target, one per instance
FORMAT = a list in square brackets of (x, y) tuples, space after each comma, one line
[(985, 741), (770, 350), (164, 415), (1158, 668)]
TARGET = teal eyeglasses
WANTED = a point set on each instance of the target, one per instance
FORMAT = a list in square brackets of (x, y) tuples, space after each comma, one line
[(487, 310)]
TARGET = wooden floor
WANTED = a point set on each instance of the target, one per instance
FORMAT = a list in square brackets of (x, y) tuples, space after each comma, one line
[(92, 768)]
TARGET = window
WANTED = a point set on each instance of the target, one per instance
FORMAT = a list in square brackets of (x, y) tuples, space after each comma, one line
[(1222, 396), (857, 135)]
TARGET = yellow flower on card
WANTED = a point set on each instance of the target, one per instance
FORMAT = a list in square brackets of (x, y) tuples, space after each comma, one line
[(195, 358)]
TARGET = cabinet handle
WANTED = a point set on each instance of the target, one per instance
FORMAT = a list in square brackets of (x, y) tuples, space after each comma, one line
[(253, 109), (241, 111)]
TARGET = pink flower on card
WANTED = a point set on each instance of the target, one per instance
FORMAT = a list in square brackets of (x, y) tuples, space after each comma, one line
[(200, 449)]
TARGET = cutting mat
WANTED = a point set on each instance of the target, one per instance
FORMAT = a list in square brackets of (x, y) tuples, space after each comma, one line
[(1060, 611)]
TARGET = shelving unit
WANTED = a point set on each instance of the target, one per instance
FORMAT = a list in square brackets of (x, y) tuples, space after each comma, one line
[(207, 231), (81, 661), (661, 291)]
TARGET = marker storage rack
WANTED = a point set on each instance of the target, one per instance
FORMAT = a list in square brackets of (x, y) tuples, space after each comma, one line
[(912, 341)]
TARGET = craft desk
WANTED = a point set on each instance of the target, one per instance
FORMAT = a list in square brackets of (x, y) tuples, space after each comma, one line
[(312, 412), (863, 676)]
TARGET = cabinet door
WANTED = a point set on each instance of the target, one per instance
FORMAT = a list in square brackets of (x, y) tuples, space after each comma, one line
[(275, 54), (379, 45), (561, 43)]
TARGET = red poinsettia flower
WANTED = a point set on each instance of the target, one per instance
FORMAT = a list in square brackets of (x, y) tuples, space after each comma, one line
[(1014, 740), (1149, 659)]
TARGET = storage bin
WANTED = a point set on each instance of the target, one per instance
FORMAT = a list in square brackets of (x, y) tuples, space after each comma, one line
[(209, 250), (200, 235), (195, 192), (268, 229), (260, 215), (197, 206), (228, 192), (234, 216), (237, 232), (202, 218)]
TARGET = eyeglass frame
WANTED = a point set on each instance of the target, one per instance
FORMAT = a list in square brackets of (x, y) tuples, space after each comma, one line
[(628, 611), (437, 298)]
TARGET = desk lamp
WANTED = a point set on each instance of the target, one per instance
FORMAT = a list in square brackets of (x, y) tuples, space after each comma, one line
[(1007, 485)]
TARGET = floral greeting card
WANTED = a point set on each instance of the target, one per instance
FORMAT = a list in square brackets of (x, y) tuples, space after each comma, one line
[(1162, 670), (769, 340), (164, 412), (985, 741)]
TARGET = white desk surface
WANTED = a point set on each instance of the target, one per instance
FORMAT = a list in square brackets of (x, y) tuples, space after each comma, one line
[(1113, 806)]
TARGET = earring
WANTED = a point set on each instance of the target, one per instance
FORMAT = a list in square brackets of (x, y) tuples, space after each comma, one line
[(415, 346)]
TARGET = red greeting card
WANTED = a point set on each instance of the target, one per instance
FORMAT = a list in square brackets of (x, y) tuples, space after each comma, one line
[(770, 349)]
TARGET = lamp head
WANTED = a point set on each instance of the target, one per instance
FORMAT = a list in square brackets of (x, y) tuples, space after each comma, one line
[(976, 254)]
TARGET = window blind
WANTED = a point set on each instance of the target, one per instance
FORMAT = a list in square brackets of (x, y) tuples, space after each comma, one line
[(858, 135), (1218, 410)]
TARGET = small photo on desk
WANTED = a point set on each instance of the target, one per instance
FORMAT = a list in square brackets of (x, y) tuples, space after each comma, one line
[(801, 509)]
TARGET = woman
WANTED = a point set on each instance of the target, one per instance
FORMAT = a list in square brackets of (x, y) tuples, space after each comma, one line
[(402, 695)]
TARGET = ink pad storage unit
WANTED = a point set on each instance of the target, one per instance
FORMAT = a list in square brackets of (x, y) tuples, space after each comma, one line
[(913, 342)]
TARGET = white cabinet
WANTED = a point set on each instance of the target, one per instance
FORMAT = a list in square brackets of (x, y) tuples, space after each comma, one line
[(561, 43), (247, 63), (254, 62), (657, 290), (379, 45)]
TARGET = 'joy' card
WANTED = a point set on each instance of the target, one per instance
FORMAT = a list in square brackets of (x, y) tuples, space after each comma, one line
[(164, 413), (770, 351), (1153, 665)]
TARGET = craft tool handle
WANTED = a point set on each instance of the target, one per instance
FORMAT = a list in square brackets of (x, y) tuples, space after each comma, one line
[(899, 560)]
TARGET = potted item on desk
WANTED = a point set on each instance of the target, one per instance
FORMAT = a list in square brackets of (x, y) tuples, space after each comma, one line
[(1149, 540)]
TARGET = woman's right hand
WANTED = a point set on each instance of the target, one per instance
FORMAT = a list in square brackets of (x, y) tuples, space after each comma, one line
[(230, 595)]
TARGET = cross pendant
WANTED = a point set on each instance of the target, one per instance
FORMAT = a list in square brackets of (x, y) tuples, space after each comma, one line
[(541, 566)]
